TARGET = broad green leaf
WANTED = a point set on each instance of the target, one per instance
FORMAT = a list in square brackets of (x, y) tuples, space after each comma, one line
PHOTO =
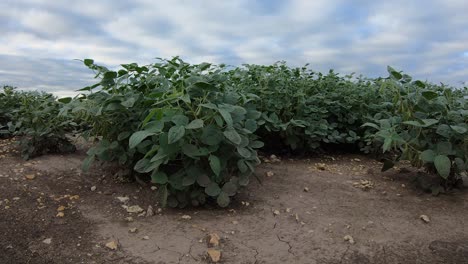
[(444, 148), (232, 135), (123, 135), (175, 133), (87, 162), (163, 194), (197, 123), (427, 156), (244, 152), (211, 135), (188, 180), (230, 188), (251, 125), (159, 177), (257, 144), (227, 116), (242, 166), (129, 102), (180, 120), (459, 129), (191, 150), (429, 95), (443, 164), (88, 62), (212, 189), (223, 199), (138, 137), (203, 180), (460, 164), (215, 164), (65, 100)]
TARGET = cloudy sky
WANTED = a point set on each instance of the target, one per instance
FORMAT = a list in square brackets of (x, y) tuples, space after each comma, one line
[(40, 40)]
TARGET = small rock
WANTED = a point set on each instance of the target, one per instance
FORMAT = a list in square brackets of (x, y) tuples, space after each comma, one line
[(149, 211), (129, 219), (93, 188), (186, 217), (145, 238), (154, 188), (276, 212), (133, 230), (134, 209), (235, 222), (349, 238), (288, 210), (424, 218), (112, 245), (213, 240), (269, 174), (321, 166), (306, 189), (47, 241), (214, 254)]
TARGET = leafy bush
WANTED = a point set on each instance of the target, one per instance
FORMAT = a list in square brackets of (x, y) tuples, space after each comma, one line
[(177, 122), (36, 118), (428, 126)]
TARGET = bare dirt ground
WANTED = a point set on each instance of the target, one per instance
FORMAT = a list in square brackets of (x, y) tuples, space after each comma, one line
[(52, 212)]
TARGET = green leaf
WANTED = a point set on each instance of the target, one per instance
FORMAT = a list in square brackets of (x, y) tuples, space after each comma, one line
[(444, 148), (251, 125), (191, 150), (203, 180), (242, 166), (394, 73), (197, 123), (223, 199), (211, 135), (230, 188), (429, 95), (422, 123), (137, 137), (175, 133), (189, 180), (443, 164), (427, 156), (257, 144), (459, 129), (159, 177), (65, 100), (232, 135), (129, 102), (460, 164), (244, 152), (123, 135), (180, 120), (87, 162), (88, 62), (215, 164), (227, 116), (212, 189)]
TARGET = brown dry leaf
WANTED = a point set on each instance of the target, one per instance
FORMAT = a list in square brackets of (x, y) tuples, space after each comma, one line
[(60, 214), (74, 197), (269, 174), (30, 176), (186, 217), (425, 218), (214, 254), (213, 240), (112, 245), (61, 208)]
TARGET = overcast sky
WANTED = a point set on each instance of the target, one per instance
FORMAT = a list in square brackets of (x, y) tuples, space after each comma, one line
[(39, 39)]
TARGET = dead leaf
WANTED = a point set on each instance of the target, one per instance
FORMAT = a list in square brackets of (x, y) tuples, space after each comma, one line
[(134, 209), (133, 230), (123, 199), (112, 245), (213, 240), (149, 211), (145, 238), (60, 214), (349, 238), (30, 176), (276, 212), (269, 174), (425, 218), (214, 254), (186, 217), (306, 189), (61, 208)]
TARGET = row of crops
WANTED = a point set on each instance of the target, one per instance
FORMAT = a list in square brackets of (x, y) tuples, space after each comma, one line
[(195, 130)]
